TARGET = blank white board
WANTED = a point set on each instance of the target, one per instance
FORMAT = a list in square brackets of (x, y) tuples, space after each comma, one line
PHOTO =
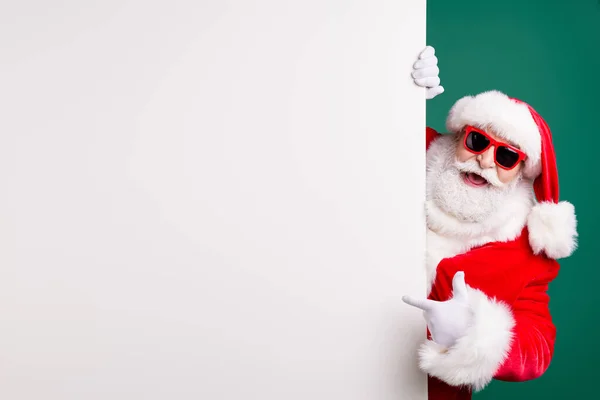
[(210, 199)]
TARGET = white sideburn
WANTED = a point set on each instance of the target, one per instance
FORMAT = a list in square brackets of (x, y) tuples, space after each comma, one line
[(448, 236)]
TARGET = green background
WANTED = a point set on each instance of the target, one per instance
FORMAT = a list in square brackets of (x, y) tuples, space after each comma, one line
[(547, 54)]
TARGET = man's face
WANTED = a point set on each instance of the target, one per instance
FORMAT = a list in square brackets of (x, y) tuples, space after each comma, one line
[(486, 163), (467, 186)]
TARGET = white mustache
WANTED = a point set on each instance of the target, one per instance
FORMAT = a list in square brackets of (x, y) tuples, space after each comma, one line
[(489, 174)]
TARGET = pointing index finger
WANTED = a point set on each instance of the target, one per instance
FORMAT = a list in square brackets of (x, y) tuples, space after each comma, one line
[(423, 304)]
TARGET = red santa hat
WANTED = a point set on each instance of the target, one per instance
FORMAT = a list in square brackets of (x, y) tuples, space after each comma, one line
[(551, 223)]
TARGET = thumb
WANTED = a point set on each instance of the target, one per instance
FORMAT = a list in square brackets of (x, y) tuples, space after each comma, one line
[(459, 287)]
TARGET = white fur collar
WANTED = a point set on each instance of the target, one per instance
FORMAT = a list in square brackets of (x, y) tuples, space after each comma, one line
[(448, 237)]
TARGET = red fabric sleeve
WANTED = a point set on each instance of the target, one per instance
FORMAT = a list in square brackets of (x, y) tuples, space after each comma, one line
[(430, 135), (534, 333)]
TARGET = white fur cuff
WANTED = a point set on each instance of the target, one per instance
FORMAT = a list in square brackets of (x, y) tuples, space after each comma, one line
[(476, 357)]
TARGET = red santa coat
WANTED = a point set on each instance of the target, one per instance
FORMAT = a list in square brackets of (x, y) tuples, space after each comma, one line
[(512, 336)]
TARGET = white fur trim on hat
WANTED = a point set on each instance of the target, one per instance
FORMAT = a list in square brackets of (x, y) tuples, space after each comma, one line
[(478, 355), (553, 229), (511, 120)]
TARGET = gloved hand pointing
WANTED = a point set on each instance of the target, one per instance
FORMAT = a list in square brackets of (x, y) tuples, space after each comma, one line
[(447, 320)]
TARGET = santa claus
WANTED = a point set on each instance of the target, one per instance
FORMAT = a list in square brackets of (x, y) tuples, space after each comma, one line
[(495, 230)]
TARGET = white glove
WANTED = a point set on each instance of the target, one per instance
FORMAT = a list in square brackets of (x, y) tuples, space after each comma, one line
[(426, 73), (447, 320)]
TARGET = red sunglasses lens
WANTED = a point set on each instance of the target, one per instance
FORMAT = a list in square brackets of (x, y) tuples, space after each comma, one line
[(506, 157), (476, 142)]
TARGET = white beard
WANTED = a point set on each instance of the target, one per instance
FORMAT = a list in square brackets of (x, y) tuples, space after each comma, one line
[(497, 212), (449, 192)]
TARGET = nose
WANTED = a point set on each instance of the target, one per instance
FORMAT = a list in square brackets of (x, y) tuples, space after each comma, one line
[(486, 159)]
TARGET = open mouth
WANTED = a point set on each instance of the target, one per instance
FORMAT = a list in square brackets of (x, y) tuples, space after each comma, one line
[(475, 180)]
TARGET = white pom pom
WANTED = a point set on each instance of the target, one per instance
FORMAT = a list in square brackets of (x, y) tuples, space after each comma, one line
[(553, 229)]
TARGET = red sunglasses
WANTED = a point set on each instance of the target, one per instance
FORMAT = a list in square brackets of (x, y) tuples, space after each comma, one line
[(506, 156)]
